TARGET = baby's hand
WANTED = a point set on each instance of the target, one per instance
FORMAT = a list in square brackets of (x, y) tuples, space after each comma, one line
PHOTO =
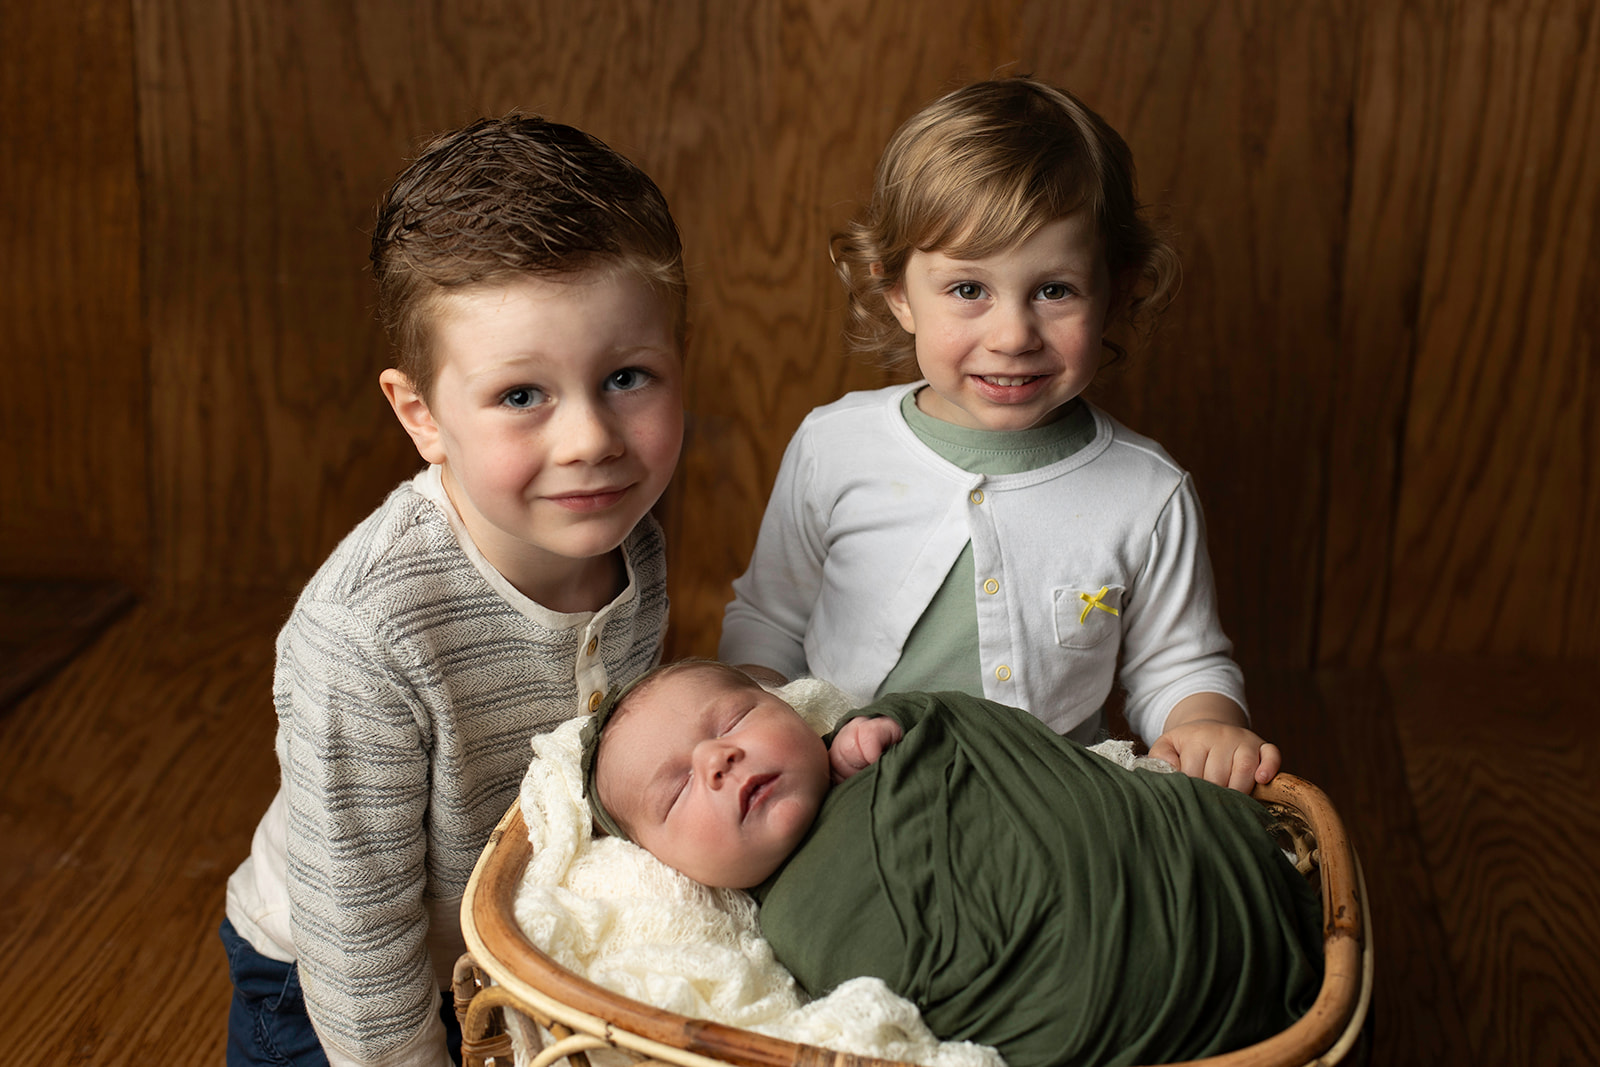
[(859, 743), (1220, 752)]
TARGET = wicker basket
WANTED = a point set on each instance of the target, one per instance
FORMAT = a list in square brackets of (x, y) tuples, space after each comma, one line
[(504, 970)]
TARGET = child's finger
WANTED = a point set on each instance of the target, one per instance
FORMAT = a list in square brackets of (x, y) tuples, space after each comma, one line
[(1246, 760), (1222, 766), (1197, 761), (1271, 763), (885, 737)]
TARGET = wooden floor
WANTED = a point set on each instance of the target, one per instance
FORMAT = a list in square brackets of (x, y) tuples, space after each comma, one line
[(131, 780)]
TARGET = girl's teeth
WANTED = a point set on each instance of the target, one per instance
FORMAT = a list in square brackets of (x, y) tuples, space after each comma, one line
[(992, 380)]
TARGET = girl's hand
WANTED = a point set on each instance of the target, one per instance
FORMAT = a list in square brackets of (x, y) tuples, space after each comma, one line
[(1222, 753), (859, 743)]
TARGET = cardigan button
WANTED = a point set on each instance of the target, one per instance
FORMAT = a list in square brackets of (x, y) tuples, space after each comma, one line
[(594, 700), (594, 643)]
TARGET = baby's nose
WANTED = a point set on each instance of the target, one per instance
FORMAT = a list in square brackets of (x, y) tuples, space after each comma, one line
[(719, 760)]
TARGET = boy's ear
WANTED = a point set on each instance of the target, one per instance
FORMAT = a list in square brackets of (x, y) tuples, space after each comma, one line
[(413, 413)]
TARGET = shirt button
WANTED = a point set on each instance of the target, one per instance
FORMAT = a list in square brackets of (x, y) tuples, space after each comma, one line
[(594, 700), (594, 643), (1003, 673), (991, 587), (976, 496)]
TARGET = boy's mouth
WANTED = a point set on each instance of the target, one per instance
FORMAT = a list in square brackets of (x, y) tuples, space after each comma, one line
[(754, 791), (597, 500)]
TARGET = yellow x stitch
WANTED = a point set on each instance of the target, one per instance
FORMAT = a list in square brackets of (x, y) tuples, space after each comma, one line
[(1095, 601)]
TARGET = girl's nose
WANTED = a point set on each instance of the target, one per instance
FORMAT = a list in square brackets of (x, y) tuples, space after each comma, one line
[(1012, 330)]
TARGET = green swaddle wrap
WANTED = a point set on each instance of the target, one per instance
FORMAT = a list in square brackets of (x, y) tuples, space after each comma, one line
[(1025, 893)]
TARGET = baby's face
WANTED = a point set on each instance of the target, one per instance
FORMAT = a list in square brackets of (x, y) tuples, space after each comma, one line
[(716, 778)]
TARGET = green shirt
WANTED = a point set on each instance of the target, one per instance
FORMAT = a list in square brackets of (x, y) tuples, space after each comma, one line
[(1028, 894), (941, 652)]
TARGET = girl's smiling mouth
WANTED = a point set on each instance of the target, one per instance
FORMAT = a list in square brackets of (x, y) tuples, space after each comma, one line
[(1009, 388)]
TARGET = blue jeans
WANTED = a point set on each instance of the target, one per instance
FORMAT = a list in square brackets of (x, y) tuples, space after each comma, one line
[(267, 1021)]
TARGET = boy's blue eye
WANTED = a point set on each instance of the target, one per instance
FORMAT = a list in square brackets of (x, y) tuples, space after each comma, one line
[(628, 379), (524, 396), (968, 290)]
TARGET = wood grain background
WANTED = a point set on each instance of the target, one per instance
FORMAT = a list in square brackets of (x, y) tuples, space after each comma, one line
[(1380, 368)]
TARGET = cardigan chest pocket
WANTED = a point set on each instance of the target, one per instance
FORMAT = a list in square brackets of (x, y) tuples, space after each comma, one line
[(1087, 615)]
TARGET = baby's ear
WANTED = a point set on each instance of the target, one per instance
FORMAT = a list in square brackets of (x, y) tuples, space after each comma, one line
[(413, 413)]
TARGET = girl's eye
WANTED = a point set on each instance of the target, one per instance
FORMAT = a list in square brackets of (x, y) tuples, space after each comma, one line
[(967, 290), (628, 379), (524, 396), (1054, 291)]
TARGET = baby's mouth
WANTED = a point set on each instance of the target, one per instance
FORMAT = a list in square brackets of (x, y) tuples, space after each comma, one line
[(754, 791)]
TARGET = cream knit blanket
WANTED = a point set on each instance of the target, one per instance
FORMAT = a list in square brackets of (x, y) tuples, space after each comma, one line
[(611, 912)]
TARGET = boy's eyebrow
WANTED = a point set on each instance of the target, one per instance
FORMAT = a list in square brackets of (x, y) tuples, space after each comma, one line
[(533, 361), (519, 364)]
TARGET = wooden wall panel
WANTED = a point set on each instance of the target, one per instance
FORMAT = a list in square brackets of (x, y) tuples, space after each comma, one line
[(72, 413), (1395, 157), (1498, 519), (263, 150)]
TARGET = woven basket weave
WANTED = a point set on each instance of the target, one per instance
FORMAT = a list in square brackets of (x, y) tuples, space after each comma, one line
[(504, 971)]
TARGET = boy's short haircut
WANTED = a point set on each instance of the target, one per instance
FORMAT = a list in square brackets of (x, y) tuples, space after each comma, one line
[(978, 171), (509, 196)]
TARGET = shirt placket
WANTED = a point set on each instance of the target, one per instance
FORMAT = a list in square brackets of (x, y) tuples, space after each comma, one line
[(1001, 679)]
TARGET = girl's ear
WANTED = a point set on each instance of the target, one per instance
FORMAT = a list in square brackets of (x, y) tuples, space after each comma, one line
[(1122, 290), (413, 413), (899, 306)]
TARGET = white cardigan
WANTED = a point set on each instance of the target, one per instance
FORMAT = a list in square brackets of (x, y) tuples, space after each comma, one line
[(865, 522)]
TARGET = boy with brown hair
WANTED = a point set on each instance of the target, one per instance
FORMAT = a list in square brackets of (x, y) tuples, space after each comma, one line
[(532, 281)]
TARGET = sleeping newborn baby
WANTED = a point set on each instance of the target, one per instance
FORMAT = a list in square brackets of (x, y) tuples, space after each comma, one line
[(1021, 891)]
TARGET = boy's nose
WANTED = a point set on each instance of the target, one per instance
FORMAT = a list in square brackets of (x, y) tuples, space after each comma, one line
[(587, 433)]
